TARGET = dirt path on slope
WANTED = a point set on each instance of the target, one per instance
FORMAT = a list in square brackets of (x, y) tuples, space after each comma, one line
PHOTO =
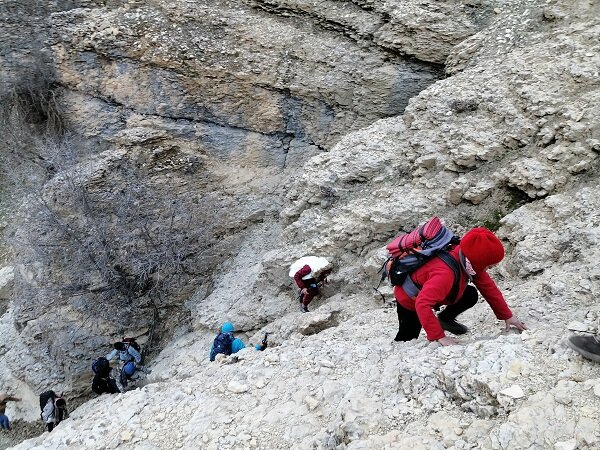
[(20, 430)]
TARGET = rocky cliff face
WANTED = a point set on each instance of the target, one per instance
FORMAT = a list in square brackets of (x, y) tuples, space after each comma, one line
[(509, 139), (214, 107)]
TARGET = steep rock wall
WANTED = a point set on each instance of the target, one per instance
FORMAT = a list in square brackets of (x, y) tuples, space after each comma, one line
[(491, 144), (474, 149), (215, 105), (228, 66)]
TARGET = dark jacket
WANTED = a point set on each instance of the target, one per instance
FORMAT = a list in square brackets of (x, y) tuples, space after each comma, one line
[(103, 384)]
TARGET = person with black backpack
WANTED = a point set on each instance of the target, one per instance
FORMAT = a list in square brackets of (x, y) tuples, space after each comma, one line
[(54, 409), (225, 342), (103, 383), (443, 281), (127, 350)]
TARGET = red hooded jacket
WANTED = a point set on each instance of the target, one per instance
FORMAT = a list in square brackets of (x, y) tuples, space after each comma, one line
[(436, 279), (305, 270)]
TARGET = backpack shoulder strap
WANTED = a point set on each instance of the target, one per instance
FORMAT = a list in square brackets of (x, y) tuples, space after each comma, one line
[(412, 289), (455, 266)]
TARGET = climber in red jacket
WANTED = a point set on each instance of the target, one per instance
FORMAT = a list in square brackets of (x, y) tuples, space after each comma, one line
[(478, 250)]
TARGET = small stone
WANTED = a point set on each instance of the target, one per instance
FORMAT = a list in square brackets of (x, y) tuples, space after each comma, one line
[(126, 436), (526, 335), (236, 387), (311, 402), (514, 391), (566, 445), (563, 398), (326, 363), (514, 370), (577, 326), (326, 371)]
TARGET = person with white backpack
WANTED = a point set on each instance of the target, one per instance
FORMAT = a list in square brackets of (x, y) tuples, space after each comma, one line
[(309, 273)]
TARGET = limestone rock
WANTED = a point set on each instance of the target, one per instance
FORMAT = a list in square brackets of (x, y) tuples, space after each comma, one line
[(577, 326), (508, 140), (514, 391), (7, 277)]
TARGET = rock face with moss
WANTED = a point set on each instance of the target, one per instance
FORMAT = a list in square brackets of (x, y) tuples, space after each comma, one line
[(509, 139)]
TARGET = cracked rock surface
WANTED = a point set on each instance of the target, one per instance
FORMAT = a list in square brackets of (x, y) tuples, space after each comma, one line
[(509, 139)]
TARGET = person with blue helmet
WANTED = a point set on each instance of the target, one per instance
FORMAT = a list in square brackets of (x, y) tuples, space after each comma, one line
[(227, 344), (224, 342)]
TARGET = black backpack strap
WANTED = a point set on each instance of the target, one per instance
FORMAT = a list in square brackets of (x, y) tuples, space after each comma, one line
[(384, 274), (455, 266)]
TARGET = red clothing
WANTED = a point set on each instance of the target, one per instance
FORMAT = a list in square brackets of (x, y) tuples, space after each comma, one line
[(436, 279), (302, 273)]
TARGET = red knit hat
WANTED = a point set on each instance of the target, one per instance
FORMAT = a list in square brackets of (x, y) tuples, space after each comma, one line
[(482, 248)]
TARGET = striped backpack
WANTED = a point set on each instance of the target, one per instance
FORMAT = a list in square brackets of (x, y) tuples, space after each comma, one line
[(410, 251)]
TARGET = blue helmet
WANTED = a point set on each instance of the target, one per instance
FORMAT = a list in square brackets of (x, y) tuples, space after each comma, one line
[(129, 368), (227, 327)]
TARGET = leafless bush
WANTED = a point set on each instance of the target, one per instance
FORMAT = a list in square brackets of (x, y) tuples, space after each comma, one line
[(101, 234), (108, 238), (29, 119)]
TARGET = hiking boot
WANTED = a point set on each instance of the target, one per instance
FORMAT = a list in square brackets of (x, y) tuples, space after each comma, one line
[(453, 326), (586, 346), (303, 308), (399, 337)]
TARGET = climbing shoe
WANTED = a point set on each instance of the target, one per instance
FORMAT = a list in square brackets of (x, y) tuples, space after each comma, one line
[(453, 326), (303, 307), (586, 346)]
